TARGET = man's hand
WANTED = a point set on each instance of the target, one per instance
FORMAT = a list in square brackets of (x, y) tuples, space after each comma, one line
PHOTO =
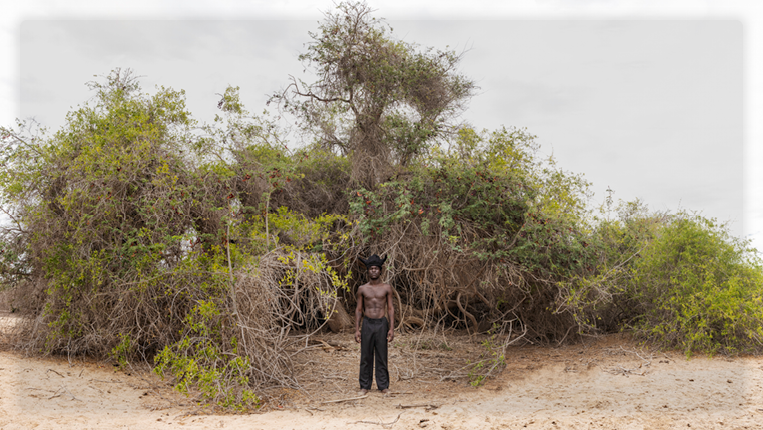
[(357, 336), (390, 335)]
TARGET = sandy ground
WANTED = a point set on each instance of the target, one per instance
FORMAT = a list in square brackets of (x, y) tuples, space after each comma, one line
[(612, 383)]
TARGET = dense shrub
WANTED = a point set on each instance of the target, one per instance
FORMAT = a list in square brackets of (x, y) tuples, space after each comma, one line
[(131, 241), (104, 204), (699, 288), (479, 234), (599, 298)]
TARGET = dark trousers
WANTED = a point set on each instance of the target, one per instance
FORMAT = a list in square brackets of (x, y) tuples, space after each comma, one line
[(373, 345)]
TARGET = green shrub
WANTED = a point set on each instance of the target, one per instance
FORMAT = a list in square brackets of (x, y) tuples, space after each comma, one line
[(133, 242), (480, 233), (207, 361), (599, 297), (700, 289)]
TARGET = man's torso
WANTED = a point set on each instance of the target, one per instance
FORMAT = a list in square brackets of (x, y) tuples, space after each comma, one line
[(375, 299)]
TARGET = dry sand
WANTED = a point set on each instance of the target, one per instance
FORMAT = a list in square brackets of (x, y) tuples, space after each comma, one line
[(611, 383)]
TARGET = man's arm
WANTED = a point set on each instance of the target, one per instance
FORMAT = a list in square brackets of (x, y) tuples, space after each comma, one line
[(358, 314), (391, 311)]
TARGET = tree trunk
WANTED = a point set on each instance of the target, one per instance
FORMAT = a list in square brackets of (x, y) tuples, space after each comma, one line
[(340, 320)]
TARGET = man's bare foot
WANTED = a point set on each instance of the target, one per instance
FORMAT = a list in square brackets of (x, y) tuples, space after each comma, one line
[(362, 392), (385, 391)]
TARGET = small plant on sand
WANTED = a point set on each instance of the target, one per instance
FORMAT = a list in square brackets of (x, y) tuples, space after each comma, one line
[(491, 359)]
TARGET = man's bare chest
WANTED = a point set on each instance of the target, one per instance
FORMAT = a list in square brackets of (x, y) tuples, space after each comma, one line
[(374, 293)]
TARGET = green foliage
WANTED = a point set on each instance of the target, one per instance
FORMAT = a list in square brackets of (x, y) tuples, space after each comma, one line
[(104, 207), (13, 267), (493, 358), (129, 226), (497, 228), (297, 236), (205, 361), (701, 288), (450, 195), (679, 280), (489, 196), (122, 351), (598, 298)]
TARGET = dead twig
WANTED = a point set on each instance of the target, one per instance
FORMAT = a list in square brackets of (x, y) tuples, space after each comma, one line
[(40, 389), (63, 387), (648, 361), (328, 345), (427, 406), (345, 400), (379, 423), (626, 372), (70, 393), (51, 370)]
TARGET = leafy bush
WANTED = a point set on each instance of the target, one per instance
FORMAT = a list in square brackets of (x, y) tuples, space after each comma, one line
[(700, 289), (208, 361), (480, 233), (600, 298), (104, 206), (132, 240)]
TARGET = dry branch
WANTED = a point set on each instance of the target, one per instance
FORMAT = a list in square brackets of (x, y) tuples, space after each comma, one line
[(427, 406), (51, 370), (345, 400), (379, 423)]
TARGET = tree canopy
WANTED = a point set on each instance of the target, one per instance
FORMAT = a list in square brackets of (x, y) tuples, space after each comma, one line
[(380, 101)]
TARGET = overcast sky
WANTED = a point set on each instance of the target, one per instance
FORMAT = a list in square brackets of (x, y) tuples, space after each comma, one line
[(655, 103)]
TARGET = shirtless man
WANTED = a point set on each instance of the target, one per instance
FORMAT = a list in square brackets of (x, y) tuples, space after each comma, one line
[(373, 299)]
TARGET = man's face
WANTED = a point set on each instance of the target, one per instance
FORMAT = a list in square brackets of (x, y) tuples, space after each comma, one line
[(374, 272)]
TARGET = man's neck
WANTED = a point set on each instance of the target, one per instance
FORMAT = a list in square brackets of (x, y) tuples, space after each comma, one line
[(376, 281)]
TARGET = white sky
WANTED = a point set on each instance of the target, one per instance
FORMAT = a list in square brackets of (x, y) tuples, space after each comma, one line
[(655, 99)]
